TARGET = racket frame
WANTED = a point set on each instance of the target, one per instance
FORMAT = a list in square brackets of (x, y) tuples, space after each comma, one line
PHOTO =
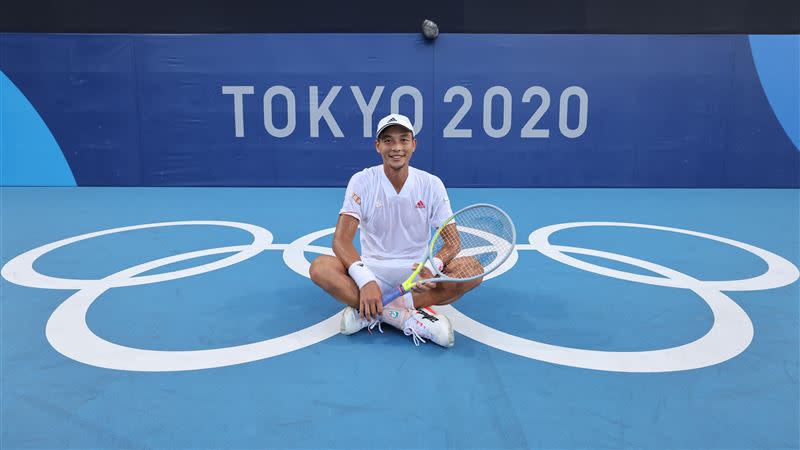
[(411, 281)]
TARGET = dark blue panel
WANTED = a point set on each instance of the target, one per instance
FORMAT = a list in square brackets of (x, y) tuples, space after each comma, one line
[(661, 111)]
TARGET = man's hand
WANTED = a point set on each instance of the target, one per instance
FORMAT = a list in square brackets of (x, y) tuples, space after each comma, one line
[(370, 301), (423, 285)]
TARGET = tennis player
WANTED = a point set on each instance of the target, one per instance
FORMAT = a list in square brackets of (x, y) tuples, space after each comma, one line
[(396, 206)]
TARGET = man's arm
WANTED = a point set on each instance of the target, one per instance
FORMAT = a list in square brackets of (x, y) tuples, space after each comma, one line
[(440, 213), (343, 237), (450, 248), (370, 305), (452, 243)]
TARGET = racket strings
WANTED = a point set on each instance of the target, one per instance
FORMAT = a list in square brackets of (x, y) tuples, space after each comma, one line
[(485, 238)]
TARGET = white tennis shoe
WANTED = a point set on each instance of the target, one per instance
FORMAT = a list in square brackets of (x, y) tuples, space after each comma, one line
[(421, 324), (352, 322)]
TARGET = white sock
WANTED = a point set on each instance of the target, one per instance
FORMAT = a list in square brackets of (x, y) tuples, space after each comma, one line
[(396, 313), (408, 300)]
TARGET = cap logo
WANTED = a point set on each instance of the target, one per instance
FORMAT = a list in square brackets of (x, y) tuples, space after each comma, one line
[(391, 120)]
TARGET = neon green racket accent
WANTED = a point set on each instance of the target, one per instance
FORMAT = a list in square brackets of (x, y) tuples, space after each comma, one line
[(412, 280)]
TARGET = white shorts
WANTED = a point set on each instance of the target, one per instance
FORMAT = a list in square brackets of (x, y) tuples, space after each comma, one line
[(390, 273)]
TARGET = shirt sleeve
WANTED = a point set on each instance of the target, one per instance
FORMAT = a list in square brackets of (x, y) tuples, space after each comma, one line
[(353, 197), (440, 210)]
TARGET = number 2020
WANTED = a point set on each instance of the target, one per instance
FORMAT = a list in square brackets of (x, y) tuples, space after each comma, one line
[(529, 130)]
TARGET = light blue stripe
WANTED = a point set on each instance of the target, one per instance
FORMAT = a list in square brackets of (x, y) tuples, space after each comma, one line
[(777, 60), (29, 154)]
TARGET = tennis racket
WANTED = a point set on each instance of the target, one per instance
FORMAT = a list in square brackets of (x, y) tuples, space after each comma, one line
[(482, 233)]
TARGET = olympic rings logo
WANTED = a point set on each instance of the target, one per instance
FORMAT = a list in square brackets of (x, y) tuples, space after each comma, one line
[(69, 334)]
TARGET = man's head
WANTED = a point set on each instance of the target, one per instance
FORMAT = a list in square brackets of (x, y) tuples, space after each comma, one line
[(395, 140), (394, 119)]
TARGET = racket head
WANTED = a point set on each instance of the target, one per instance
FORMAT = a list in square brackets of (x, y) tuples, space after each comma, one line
[(485, 233)]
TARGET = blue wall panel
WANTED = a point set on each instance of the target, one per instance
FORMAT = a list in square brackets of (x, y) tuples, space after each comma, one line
[(600, 110)]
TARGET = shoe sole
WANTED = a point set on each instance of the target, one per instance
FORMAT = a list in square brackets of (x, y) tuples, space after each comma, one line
[(342, 328), (451, 339)]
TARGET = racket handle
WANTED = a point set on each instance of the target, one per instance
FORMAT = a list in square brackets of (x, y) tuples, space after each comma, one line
[(393, 294)]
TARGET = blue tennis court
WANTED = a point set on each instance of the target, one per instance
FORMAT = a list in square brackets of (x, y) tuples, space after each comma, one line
[(627, 318)]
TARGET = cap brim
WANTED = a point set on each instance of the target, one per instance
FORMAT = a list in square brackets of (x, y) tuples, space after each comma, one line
[(378, 133)]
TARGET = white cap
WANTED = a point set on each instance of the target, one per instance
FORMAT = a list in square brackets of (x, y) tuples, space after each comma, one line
[(394, 119)]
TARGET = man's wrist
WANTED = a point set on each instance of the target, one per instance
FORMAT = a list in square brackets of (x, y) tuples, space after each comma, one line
[(360, 273), (437, 263)]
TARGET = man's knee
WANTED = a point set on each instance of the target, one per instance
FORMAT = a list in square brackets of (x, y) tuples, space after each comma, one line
[(317, 270)]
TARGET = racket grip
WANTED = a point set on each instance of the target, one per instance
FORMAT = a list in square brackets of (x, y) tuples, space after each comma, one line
[(393, 294)]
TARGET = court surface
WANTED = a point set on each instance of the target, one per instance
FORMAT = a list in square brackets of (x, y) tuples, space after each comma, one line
[(632, 318)]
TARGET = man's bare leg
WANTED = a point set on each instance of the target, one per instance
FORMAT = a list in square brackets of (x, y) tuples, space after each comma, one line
[(330, 274)]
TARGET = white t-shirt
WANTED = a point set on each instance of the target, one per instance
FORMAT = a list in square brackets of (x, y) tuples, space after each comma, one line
[(396, 226)]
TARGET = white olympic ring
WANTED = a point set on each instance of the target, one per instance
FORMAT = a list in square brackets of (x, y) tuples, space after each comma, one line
[(69, 334), (780, 272)]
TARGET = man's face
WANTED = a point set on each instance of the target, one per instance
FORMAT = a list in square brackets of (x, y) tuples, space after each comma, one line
[(396, 145)]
